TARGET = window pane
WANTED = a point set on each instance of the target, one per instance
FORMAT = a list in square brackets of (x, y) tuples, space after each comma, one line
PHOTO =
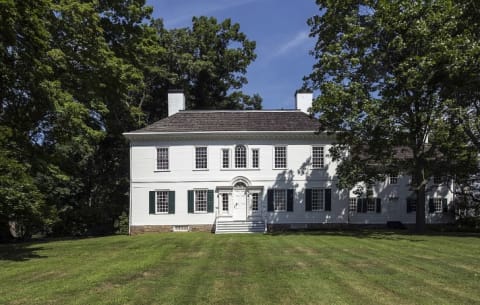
[(437, 202), (201, 201), (200, 157), (393, 179), (162, 202), (317, 199), (255, 158), (317, 157), (280, 157), (240, 156), (225, 202), (280, 200), (371, 205), (162, 158), (352, 204), (225, 158), (255, 202)]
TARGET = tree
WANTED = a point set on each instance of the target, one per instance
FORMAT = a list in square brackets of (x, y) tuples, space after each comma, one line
[(377, 70), (208, 61)]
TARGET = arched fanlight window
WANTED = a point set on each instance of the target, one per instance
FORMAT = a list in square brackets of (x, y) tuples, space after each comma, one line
[(240, 156)]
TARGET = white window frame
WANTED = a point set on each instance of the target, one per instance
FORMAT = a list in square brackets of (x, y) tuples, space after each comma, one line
[(320, 198), (165, 211), (274, 156), (352, 204), (257, 195), (393, 179), (235, 156), (156, 159), (195, 209), (222, 201), (195, 158), (222, 158), (255, 151), (277, 195), (438, 202), (322, 166)]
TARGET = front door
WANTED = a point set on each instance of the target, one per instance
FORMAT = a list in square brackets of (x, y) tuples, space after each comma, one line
[(239, 204)]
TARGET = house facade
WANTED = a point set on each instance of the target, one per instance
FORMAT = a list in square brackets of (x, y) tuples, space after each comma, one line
[(252, 171)]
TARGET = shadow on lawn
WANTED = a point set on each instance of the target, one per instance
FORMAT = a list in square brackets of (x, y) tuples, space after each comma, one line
[(377, 234), (19, 252)]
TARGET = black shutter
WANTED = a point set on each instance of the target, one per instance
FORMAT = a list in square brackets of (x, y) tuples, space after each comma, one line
[(328, 199), (190, 201), (378, 205), (308, 199), (270, 200), (431, 206), (210, 201), (444, 205), (359, 205), (171, 202), (151, 196), (364, 205), (409, 205), (290, 200)]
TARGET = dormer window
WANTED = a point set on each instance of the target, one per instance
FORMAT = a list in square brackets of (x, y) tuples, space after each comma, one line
[(240, 156)]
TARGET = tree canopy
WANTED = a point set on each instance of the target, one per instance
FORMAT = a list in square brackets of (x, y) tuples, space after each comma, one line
[(73, 77), (385, 70)]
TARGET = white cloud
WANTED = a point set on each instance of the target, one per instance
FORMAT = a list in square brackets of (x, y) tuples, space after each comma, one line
[(201, 8), (300, 39)]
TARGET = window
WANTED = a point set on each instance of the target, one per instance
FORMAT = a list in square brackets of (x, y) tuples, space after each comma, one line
[(280, 157), (317, 157), (201, 157), (352, 204), (225, 202), (161, 205), (162, 158), (371, 205), (280, 200), (255, 202), (438, 205), (437, 179), (369, 191), (240, 156), (225, 158), (318, 199), (255, 158), (200, 200), (393, 179)]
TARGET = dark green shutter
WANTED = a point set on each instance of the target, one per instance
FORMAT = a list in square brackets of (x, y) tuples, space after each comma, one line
[(290, 200), (171, 202), (328, 199), (431, 206), (270, 200), (364, 205), (308, 199), (151, 196), (409, 205), (359, 205), (210, 201), (444, 205), (378, 203), (190, 201)]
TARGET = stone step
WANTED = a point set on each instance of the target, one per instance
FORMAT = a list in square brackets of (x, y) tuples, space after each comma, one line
[(224, 227)]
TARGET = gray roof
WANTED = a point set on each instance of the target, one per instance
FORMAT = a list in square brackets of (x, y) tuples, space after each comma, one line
[(234, 120)]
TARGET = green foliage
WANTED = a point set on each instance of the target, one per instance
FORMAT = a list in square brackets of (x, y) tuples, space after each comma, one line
[(73, 77), (379, 69)]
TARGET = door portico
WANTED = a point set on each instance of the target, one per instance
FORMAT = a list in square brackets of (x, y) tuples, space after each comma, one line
[(239, 201)]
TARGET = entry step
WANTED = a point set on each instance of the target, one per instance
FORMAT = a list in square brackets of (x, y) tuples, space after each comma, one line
[(227, 227)]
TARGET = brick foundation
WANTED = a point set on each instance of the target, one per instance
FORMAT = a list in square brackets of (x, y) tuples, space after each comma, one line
[(134, 230)]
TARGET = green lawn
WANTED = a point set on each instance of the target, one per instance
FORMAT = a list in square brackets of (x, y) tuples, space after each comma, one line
[(202, 268)]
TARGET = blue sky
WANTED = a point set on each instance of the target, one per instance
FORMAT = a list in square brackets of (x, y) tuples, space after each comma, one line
[(278, 26)]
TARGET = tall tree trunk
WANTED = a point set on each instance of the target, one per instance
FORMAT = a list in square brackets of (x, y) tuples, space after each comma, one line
[(420, 190)]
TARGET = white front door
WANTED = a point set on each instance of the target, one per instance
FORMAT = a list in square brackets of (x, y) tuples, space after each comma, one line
[(239, 200)]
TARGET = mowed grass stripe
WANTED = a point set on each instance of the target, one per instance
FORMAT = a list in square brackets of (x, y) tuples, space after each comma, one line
[(201, 268)]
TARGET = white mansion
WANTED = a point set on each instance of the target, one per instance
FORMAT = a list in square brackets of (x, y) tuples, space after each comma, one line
[(252, 171)]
